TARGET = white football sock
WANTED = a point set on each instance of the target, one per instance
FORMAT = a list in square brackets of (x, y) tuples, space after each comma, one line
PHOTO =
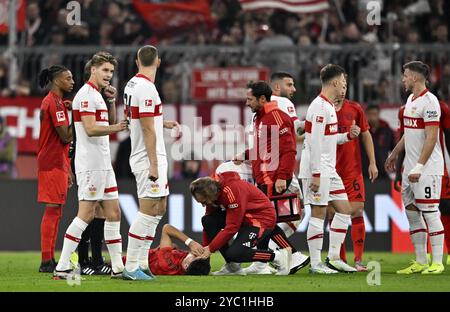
[(113, 241), (418, 233), (143, 252), (338, 230), (314, 235), (136, 236), (436, 230), (71, 241)]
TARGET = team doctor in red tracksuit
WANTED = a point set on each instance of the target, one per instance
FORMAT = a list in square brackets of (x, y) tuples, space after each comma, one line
[(272, 165), (248, 212)]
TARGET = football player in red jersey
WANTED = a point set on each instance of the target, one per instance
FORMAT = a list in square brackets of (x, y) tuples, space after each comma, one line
[(54, 175), (348, 166)]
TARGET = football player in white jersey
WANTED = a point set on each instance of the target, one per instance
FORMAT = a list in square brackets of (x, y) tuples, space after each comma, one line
[(321, 183), (423, 169), (283, 89), (148, 161), (95, 176)]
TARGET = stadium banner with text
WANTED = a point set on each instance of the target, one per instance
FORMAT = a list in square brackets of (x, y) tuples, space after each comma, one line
[(23, 122), (386, 223), (20, 15), (224, 84)]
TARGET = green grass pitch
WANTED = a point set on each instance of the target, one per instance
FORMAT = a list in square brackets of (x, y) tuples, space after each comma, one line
[(18, 272)]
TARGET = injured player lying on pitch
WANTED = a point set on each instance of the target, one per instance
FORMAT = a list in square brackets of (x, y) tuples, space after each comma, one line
[(167, 259)]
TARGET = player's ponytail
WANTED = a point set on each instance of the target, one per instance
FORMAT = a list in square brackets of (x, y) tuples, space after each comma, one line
[(47, 75)]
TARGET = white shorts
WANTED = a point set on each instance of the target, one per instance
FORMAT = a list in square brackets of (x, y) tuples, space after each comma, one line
[(331, 188), (149, 189), (294, 187), (425, 194), (97, 185)]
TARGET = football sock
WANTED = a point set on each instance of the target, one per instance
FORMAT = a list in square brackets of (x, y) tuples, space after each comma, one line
[(314, 235), (436, 232), (83, 246), (71, 240), (97, 237), (49, 227), (338, 230), (418, 233), (446, 223), (136, 236), (358, 237), (113, 241), (143, 253)]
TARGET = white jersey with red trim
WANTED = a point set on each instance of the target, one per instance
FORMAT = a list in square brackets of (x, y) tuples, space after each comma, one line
[(420, 112), (91, 153), (288, 107), (141, 94), (319, 149)]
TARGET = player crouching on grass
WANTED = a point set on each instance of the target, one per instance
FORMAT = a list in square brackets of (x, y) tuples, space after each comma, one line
[(248, 213), (166, 259)]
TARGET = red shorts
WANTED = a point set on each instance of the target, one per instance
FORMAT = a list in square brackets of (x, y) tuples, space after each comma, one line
[(445, 190), (52, 186), (354, 187)]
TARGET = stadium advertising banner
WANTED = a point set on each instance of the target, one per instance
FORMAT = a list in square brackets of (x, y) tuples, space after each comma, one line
[(224, 84), (22, 113), (386, 224)]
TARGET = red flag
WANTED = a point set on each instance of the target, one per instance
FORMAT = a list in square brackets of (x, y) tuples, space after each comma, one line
[(295, 6), (167, 18), (20, 15)]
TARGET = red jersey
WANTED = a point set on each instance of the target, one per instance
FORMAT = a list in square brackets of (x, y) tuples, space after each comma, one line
[(348, 155), (245, 204), (444, 123), (261, 154), (166, 261), (52, 152)]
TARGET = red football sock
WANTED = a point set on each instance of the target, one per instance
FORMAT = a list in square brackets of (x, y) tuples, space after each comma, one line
[(55, 233), (446, 224), (50, 221), (358, 237)]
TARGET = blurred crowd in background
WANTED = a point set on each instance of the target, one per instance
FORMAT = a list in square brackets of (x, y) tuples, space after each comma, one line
[(309, 40)]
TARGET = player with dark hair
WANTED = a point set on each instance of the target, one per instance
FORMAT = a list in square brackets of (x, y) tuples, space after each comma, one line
[(169, 260), (321, 183), (348, 167), (54, 175), (423, 169)]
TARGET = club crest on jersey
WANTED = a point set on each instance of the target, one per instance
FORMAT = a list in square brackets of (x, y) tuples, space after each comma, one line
[(84, 104), (92, 190), (154, 187), (148, 103), (60, 116), (413, 110), (316, 197), (319, 119)]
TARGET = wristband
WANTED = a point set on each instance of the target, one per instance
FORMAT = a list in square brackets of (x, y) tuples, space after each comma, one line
[(188, 241), (418, 169)]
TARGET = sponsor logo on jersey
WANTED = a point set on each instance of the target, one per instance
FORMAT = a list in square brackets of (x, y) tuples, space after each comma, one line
[(84, 104), (104, 116), (60, 116), (410, 122), (232, 206), (148, 103), (319, 119), (432, 114), (333, 128), (283, 131)]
